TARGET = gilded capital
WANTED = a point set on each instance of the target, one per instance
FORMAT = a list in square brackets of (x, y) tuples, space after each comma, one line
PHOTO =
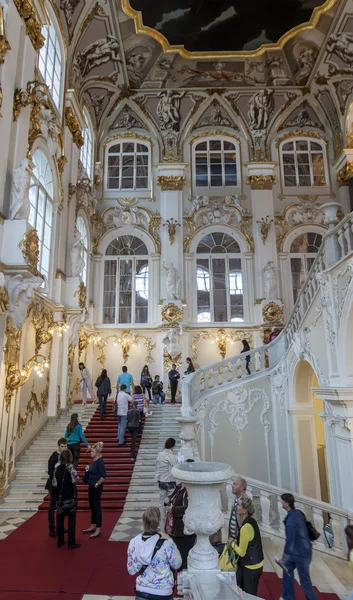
[(261, 182), (171, 182), (33, 26)]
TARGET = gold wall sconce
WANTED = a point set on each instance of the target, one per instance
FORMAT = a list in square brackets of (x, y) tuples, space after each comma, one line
[(172, 224), (265, 224), (16, 378)]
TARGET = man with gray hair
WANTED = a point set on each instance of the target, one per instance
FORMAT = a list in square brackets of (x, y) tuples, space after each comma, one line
[(239, 490)]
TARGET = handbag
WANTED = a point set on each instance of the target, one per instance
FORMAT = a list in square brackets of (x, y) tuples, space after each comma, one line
[(312, 532), (65, 507), (228, 559)]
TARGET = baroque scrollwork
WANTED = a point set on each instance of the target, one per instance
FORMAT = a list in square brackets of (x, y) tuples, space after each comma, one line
[(171, 182), (33, 26), (30, 250), (74, 126), (261, 182), (297, 214)]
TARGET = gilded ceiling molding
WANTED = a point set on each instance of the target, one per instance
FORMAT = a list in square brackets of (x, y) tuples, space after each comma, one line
[(261, 182), (301, 133), (97, 11), (140, 28), (33, 25), (171, 182), (127, 135), (74, 126)]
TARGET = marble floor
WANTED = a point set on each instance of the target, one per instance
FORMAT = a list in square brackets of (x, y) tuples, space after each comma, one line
[(9, 522)]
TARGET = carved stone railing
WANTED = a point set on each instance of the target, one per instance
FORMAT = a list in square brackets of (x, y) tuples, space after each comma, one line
[(270, 514)]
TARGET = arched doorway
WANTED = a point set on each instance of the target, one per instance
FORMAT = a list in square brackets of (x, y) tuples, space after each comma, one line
[(309, 435)]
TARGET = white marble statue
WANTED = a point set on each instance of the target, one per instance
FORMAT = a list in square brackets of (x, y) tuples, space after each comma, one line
[(68, 7), (75, 323), (168, 110), (172, 282), (97, 53), (4, 7), (171, 342), (270, 279), (305, 63), (342, 45), (19, 200), (77, 255), (21, 292), (260, 109)]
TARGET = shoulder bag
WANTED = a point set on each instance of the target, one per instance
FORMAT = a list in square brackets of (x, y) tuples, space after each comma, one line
[(65, 507), (312, 532), (228, 559), (158, 545)]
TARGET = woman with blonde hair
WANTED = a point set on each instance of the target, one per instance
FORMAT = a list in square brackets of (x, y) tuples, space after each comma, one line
[(95, 476), (153, 558)]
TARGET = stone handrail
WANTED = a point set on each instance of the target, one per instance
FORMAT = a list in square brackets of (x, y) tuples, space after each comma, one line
[(270, 514)]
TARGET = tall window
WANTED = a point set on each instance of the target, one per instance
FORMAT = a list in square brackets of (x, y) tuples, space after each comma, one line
[(215, 164), (81, 226), (41, 208), (125, 296), (87, 148), (51, 63), (128, 166), (303, 164), (219, 279), (302, 256)]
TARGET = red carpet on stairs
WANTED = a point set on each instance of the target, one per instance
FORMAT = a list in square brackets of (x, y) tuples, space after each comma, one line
[(116, 458)]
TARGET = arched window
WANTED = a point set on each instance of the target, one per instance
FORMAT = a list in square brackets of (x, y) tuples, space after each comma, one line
[(41, 208), (51, 63), (86, 155), (128, 165), (125, 296), (304, 164), (302, 256), (81, 226), (215, 164), (219, 279)]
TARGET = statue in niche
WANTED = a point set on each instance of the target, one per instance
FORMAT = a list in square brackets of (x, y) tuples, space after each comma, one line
[(77, 255), (260, 109), (97, 53), (215, 119), (21, 292), (19, 200), (342, 45), (168, 110), (305, 62), (270, 279), (68, 8), (171, 342), (172, 281)]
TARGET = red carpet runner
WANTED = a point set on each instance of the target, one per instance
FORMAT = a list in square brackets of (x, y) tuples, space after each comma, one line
[(116, 458)]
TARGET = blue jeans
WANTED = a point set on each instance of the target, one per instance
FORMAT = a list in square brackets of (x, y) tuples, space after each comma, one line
[(102, 405), (302, 565), (158, 399), (121, 428)]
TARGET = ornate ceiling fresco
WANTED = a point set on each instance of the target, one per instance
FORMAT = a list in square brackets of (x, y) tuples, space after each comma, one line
[(133, 79), (222, 25)]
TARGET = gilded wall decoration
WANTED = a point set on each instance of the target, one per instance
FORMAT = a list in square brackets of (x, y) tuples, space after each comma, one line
[(126, 340), (222, 338), (81, 295), (153, 229), (42, 320), (172, 224), (273, 314), (3, 472), (345, 173), (32, 405), (35, 92), (169, 361), (261, 182), (70, 367), (171, 182), (11, 360), (300, 133), (172, 314), (33, 25), (4, 43), (135, 216), (11, 460), (30, 250), (265, 224), (4, 296), (307, 212), (74, 126)]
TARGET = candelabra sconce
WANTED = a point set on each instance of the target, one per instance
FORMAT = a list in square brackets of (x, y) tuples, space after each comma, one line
[(16, 378), (172, 224), (127, 340), (265, 224)]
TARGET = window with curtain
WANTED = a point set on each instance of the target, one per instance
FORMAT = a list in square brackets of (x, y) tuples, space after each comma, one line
[(215, 164), (302, 256), (126, 271), (303, 164), (128, 165), (81, 226), (51, 63), (86, 155), (219, 279), (41, 208)]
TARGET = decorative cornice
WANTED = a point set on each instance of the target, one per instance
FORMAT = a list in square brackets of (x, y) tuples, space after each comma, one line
[(301, 133), (261, 182), (74, 126), (345, 173), (171, 182), (33, 25)]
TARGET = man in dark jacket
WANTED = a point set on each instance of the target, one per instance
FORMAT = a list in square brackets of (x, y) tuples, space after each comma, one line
[(52, 462), (173, 376)]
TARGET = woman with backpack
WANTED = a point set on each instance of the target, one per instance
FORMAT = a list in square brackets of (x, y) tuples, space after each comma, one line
[(104, 389), (74, 435), (64, 490), (153, 558)]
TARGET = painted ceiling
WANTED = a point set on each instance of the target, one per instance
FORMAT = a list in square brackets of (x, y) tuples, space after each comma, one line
[(224, 25)]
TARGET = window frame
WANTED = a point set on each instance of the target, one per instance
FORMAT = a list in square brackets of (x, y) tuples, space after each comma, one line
[(43, 56), (216, 190), (143, 192), (321, 189), (85, 271), (303, 257), (88, 146)]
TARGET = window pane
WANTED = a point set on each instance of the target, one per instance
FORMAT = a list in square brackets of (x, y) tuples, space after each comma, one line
[(109, 295), (219, 289)]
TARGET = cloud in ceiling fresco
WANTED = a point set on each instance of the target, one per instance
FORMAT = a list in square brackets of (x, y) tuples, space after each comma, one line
[(224, 25)]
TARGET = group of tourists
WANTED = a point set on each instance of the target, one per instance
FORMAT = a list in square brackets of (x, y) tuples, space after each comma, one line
[(62, 485)]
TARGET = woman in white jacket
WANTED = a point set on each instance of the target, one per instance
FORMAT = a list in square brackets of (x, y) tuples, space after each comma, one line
[(166, 460), (86, 384), (153, 558)]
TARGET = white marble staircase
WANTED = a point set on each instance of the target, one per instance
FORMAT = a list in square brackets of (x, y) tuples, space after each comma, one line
[(27, 490)]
